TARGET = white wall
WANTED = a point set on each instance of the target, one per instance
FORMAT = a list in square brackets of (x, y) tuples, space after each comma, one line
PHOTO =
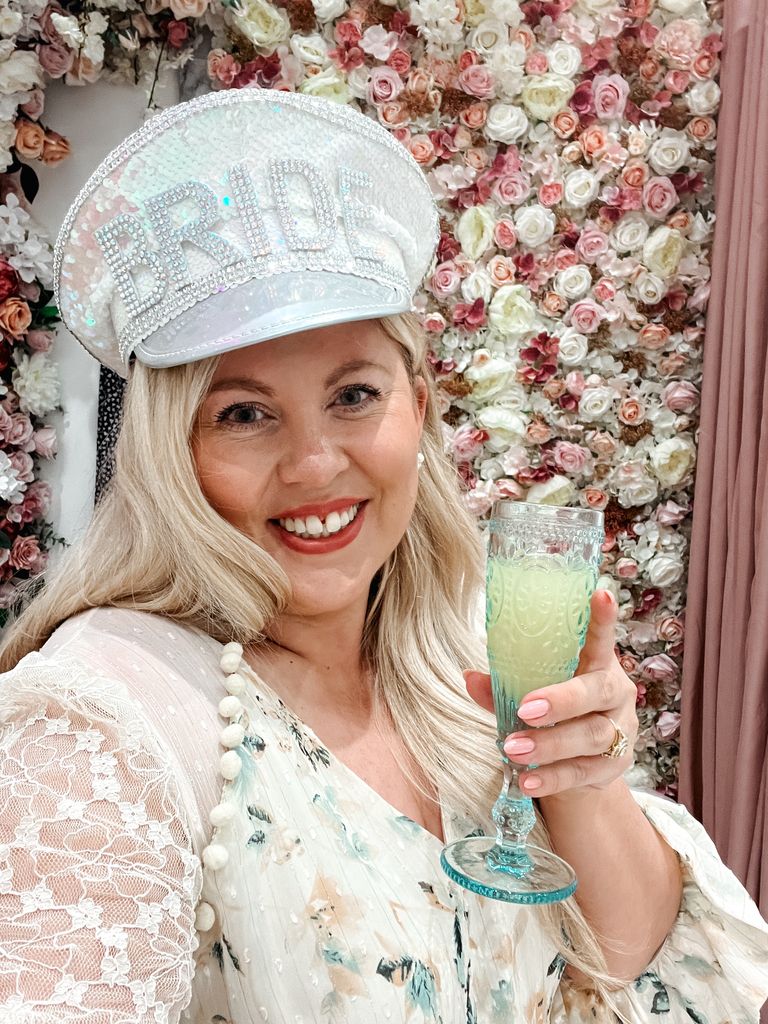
[(94, 118)]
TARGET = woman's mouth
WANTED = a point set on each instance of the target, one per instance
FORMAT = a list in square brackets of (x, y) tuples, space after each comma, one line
[(314, 534)]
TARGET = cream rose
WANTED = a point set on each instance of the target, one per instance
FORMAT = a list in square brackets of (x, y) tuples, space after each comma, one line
[(489, 376), (573, 282), (328, 10), (558, 490), (534, 225), (664, 569), (580, 188), (630, 233), (329, 84), (573, 347), (511, 310), (669, 152), (261, 23), (596, 402), (564, 59), (475, 231), (489, 34), (505, 123), (677, 7), (477, 285), (20, 72), (672, 460), (310, 49), (649, 289), (634, 485), (662, 252), (544, 96), (10, 23), (704, 97), (504, 427)]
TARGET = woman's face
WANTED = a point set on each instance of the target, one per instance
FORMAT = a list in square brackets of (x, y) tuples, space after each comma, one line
[(308, 445)]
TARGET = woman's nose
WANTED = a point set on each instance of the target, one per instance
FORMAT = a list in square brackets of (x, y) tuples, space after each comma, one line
[(311, 457)]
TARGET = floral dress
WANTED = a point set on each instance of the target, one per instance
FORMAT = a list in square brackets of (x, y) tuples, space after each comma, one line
[(176, 846)]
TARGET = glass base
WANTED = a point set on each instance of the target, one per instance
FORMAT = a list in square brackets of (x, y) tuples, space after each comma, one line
[(538, 876)]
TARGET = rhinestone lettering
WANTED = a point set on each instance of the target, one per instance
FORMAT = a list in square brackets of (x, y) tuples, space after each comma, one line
[(123, 260), (322, 202), (241, 183)]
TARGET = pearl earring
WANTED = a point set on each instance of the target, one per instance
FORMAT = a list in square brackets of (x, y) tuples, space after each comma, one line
[(420, 460)]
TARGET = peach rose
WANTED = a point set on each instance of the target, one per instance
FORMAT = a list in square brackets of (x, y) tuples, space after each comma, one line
[(593, 141), (501, 270), (672, 364), (550, 193), (701, 128), (653, 337), (474, 116), (705, 64), (631, 411), (422, 150), (603, 444), (538, 432), (476, 158), (394, 114), (595, 498), (553, 304), (30, 138), (15, 317), (25, 553), (680, 221), (188, 8), (670, 629), (55, 148), (399, 60), (504, 234), (649, 69), (635, 174), (564, 123), (478, 81)]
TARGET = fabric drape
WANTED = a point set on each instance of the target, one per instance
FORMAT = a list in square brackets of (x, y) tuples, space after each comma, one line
[(725, 678)]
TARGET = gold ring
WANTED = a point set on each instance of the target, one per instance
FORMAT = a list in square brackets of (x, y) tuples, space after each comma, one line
[(619, 743)]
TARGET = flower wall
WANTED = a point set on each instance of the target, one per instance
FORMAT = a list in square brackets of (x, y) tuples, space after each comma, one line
[(570, 145)]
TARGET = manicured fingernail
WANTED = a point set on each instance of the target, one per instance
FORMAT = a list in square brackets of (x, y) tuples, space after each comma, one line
[(533, 709), (531, 782), (520, 745)]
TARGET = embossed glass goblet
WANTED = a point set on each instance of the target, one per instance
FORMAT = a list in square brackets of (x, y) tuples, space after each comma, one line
[(542, 571)]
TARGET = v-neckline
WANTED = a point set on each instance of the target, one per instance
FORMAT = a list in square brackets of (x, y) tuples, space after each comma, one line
[(337, 761)]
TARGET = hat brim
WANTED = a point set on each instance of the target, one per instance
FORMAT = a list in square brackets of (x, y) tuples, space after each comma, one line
[(265, 308)]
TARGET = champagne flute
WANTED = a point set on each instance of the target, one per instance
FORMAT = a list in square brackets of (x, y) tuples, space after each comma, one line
[(542, 570)]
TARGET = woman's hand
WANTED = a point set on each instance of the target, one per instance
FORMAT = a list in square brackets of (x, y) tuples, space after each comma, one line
[(568, 755)]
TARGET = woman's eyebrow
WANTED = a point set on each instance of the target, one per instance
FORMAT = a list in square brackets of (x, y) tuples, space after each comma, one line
[(252, 384)]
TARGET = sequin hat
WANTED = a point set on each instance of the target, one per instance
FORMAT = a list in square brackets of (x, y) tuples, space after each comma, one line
[(237, 217)]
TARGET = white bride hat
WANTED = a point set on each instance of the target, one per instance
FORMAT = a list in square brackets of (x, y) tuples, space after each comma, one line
[(237, 217)]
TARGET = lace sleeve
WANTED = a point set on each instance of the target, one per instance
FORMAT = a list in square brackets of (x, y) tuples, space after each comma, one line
[(98, 881)]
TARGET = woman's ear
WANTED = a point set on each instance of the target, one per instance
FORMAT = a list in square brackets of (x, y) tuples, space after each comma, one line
[(421, 393)]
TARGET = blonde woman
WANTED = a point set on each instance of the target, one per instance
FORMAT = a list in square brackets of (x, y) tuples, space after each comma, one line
[(236, 728)]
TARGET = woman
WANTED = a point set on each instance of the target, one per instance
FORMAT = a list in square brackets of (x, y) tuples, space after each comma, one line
[(254, 659)]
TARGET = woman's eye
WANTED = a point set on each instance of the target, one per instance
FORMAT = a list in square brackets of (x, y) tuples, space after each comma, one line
[(357, 396), (241, 415)]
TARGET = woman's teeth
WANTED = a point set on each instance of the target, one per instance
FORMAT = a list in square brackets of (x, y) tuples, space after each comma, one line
[(313, 526)]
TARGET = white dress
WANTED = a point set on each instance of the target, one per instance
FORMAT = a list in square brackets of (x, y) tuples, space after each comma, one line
[(318, 901)]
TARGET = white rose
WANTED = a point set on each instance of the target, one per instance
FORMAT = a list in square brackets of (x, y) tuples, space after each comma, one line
[(649, 289), (564, 59), (580, 187), (511, 311), (544, 96), (357, 80), (477, 285), (68, 28), (596, 402), (594, 6), (507, 11), (558, 490), (505, 123), (329, 84), (489, 377), (310, 49), (489, 34), (475, 231), (328, 10), (534, 225), (664, 570), (669, 152), (36, 382), (491, 469), (504, 427), (639, 490), (630, 232), (677, 6), (672, 460), (704, 97), (573, 347), (7, 139), (10, 22), (20, 72), (260, 22), (573, 282), (663, 251)]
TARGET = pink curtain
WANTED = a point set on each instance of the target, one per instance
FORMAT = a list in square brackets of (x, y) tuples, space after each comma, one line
[(724, 737)]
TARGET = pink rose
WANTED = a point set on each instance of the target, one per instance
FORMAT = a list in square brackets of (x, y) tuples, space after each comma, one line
[(575, 383), (467, 442), (504, 234), (705, 64), (670, 513), (25, 553), (659, 668), (434, 323), (677, 81), (39, 341), (56, 59), (610, 94), (626, 568), (679, 42), (628, 662), (22, 463), (603, 444), (33, 108), (21, 431), (384, 85), (422, 150), (680, 396), (659, 197), (477, 80), (653, 336), (536, 64), (668, 724), (591, 244), (569, 457), (631, 411), (474, 116), (670, 629), (400, 61), (46, 444), (222, 67), (595, 498), (445, 280), (586, 316), (551, 193), (512, 189), (36, 503)]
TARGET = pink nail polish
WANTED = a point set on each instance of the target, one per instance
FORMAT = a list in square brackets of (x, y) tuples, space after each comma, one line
[(532, 782), (533, 709), (520, 745)]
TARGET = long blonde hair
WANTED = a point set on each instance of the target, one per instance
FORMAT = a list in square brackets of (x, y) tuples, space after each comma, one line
[(154, 538)]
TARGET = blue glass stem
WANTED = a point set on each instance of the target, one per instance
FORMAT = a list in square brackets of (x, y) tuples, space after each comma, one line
[(513, 812)]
